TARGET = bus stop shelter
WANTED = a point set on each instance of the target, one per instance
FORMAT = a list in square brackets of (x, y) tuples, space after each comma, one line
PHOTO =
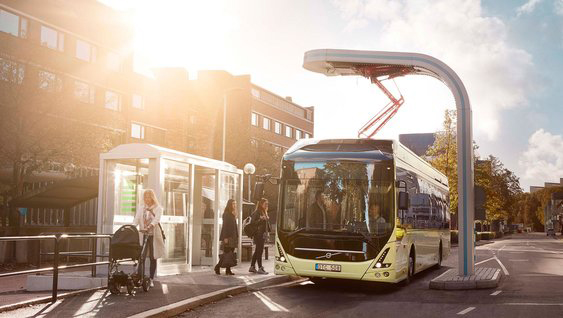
[(192, 190)]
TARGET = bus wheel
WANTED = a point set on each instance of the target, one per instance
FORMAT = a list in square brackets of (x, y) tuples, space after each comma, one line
[(410, 268), (439, 264)]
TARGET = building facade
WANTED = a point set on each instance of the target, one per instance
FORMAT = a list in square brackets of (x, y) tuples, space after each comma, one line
[(259, 126), (68, 92)]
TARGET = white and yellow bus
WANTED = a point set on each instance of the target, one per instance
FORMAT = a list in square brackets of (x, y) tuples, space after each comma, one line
[(360, 209)]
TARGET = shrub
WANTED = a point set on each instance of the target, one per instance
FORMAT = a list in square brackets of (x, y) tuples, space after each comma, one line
[(487, 235)]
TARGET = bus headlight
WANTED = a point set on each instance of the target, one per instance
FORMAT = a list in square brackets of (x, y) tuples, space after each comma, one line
[(378, 265), (281, 256)]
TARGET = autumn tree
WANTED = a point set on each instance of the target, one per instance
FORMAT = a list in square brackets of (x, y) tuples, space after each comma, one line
[(501, 186), (43, 123), (443, 155)]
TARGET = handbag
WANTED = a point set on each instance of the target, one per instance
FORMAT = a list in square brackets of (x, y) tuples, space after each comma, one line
[(228, 259)]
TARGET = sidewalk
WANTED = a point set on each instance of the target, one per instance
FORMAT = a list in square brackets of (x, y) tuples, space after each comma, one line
[(170, 294)]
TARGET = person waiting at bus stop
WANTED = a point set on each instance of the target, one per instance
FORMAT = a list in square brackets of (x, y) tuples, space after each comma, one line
[(228, 236), (147, 219), (261, 221)]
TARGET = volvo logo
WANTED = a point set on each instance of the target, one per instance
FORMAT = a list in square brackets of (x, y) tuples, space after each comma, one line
[(328, 255)]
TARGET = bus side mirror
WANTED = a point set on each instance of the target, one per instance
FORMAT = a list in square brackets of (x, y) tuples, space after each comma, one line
[(403, 201)]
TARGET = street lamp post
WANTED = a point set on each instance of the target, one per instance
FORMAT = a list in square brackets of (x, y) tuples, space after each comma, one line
[(249, 169), (225, 92)]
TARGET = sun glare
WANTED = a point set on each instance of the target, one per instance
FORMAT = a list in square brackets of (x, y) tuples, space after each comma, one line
[(190, 34)]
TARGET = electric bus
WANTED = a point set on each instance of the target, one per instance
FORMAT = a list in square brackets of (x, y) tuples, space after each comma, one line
[(360, 209)]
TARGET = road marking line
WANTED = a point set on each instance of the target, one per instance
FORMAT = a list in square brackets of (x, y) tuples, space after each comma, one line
[(496, 293), (488, 259), (501, 265), (519, 260), (466, 310), (269, 303)]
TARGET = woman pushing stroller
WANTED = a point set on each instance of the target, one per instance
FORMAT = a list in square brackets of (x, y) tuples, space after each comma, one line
[(147, 219)]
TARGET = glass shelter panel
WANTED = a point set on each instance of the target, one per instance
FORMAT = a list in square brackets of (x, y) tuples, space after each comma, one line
[(175, 205), (204, 216), (126, 180)]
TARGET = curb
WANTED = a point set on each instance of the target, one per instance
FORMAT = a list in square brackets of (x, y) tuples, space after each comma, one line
[(446, 282), (191, 303)]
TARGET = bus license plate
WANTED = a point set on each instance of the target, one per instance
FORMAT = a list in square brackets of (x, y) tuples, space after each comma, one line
[(328, 267)]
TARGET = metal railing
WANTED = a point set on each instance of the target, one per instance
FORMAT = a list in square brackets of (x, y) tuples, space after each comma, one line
[(57, 238), (91, 254)]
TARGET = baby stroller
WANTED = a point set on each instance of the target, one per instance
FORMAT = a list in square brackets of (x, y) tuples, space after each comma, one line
[(125, 246)]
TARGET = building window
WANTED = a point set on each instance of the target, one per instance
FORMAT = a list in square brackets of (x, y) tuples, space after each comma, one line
[(254, 143), (138, 101), (113, 101), (266, 123), (85, 51), (113, 61), (52, 39), (297, 134), (137, 131), (307, 136), (84, 92), (278, 128), (13, 24), (49, 82), (277, 150), (288, 132), (254, 119), (11, 71)]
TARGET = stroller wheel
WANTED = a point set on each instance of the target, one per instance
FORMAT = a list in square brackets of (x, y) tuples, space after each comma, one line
[(113, 287), (146, 284), (136, 280), (130, 286)]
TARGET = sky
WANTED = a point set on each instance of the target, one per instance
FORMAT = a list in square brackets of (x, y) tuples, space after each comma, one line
[(507, 53)]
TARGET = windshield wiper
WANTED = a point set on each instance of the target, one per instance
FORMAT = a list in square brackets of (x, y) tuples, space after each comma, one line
[(295, 232), (366, 238)]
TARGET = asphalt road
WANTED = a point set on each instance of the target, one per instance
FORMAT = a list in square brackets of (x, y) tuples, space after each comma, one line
[(532, 287)]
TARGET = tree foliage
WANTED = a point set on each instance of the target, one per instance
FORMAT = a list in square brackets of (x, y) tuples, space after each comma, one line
[(502, 186), (443, 155), (42, 123)]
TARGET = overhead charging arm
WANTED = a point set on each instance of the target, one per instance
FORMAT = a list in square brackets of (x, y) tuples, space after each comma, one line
[(377, 122)]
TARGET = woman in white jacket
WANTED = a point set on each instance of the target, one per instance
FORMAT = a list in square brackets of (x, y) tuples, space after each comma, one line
[(147, 219)]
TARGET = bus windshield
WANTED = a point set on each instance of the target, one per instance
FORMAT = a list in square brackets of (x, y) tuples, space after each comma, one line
[(339, 196)]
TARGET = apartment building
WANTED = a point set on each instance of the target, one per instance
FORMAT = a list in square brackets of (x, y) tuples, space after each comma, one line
[(68, 91), (259, 124)]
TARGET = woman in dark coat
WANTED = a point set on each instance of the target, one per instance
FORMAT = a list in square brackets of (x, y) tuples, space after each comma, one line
[(261, 221), (229, 233)]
